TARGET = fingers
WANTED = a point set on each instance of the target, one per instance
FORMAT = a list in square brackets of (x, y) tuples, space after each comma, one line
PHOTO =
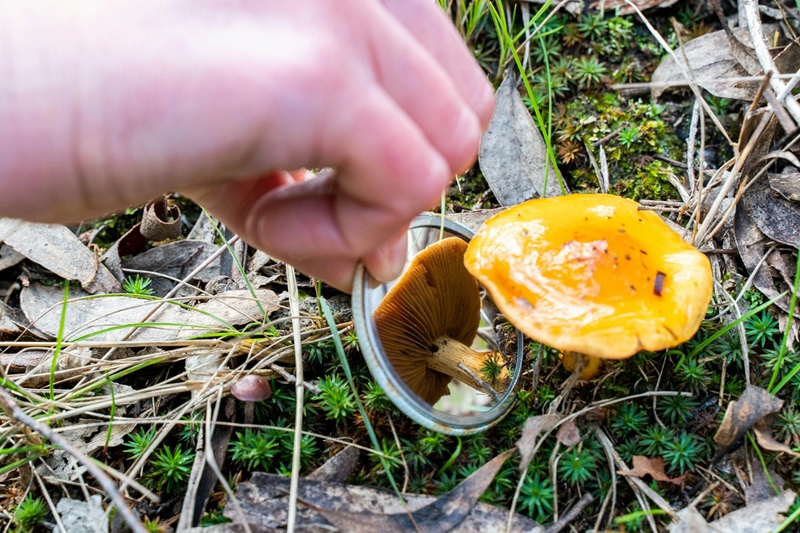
[(431, 28), (422, 88), (295, 222)]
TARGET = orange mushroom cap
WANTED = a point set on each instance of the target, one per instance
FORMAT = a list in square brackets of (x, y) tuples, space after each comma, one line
[(593, 274)]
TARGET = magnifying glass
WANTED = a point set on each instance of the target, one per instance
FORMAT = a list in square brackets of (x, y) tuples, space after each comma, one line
[(456, 383)]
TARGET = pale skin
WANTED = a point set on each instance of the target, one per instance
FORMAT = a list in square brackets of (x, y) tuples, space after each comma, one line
[(108, 103)]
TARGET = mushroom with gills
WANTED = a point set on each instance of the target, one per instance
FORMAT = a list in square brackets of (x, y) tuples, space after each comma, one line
[(428, 321), (592, 274)]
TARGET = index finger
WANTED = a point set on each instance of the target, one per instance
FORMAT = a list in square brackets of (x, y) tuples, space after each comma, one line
[(435, 32)]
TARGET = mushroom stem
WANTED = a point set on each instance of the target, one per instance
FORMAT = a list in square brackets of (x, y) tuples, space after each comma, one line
[(586, 365), (447, 354)]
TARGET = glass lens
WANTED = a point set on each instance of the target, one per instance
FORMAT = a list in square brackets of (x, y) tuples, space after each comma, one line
[(456, 385)]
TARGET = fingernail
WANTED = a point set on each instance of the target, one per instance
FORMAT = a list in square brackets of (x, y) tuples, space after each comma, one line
[(397, 255), (390, 260)]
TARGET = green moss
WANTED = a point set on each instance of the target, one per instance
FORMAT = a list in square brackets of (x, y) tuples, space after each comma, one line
[(631, 133)]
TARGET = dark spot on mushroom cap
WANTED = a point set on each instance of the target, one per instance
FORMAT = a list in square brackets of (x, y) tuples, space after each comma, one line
[(658, 286), (251, 388)]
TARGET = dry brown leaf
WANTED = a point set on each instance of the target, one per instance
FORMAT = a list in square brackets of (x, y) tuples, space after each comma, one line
[(689, 521), (760, 517), (787, 183), (513, 155), (440, 516), (752, 246), (763, 516), (338, 468), (7, 324), (653, 467), (568, 433), (9, 257), (82, 516), (474, 219), (622, 7), (176, 260), (710, 60), (530, 434), (357, 509), (741, 415), (776, 217), (765, 440), (58, 250), (36, 365), (42, 306)]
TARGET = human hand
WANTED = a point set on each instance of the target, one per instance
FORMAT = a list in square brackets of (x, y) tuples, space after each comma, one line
[(109, 103)]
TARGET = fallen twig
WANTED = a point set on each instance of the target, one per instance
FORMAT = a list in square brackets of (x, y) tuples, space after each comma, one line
[(765, 59), (571, 515)]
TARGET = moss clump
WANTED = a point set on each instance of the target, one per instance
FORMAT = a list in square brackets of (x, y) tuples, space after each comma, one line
[(631, 133)]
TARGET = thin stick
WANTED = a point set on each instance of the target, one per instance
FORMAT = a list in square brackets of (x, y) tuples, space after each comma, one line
[(765, 58), (291, 379), (294, 309), (571, 515), (211, 418), (703, 230), (12, 409), (50, 503)]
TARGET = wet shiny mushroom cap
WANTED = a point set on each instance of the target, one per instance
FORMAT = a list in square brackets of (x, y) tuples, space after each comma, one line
[(592, 274), (251, 388)]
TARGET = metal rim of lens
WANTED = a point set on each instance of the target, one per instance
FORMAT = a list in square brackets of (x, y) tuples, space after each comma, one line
[(394, 387)]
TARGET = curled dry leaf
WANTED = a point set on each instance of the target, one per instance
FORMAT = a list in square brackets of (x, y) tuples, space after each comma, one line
[(513, 155), (161, 221), (653, 467), (534, 426), (741, 415), (766, 441)]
